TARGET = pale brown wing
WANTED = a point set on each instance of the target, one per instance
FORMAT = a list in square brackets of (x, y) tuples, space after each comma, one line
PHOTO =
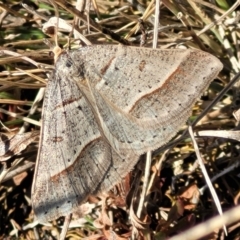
[(73, 159), (143, 96)]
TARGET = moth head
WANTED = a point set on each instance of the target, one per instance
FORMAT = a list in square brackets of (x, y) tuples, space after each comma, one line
[(66, 66)]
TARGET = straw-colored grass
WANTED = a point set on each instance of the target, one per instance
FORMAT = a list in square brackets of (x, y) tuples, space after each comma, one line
[(177, 198)]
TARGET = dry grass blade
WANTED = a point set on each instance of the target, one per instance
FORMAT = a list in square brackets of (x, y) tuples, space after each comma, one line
[(14, 144), (207, 179), (170, 191), (229, 217)]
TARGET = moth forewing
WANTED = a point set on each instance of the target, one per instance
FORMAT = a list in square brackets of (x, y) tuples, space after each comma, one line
[(134, 90)]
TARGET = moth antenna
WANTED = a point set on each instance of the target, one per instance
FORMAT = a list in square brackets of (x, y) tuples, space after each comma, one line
[(56, 50), (68, 42), (57, 15)]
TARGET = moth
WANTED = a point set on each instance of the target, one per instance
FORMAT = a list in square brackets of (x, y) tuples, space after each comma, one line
[(104, 106)]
